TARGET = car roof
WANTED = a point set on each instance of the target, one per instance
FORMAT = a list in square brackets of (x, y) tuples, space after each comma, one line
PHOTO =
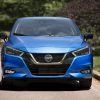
[(53, 18)]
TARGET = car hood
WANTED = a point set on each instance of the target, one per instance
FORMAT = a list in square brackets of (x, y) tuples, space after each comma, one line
[(45, 44)]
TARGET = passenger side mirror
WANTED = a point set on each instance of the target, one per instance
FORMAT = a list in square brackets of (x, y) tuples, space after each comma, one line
[(3, 36), (88, 36)]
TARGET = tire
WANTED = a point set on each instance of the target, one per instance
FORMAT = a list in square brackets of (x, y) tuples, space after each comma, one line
[(5, 84), (85, 83), (12, 84)]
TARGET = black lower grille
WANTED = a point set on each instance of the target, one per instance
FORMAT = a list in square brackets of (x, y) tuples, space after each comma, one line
[(44, 70), (48, 70)]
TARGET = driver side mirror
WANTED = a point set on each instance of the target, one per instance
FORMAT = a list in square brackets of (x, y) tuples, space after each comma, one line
[(3, 36), (88, 36)]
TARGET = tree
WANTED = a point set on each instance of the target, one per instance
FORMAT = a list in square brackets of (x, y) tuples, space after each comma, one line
[(85, 12), (13, 9)]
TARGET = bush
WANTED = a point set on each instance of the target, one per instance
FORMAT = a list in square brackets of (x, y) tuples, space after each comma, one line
[(96, 51), (85, 12)]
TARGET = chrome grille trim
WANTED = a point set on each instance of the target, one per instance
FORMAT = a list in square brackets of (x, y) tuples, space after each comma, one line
[(52, 63)]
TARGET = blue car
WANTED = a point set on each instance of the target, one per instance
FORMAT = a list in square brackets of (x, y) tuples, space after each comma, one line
[(46, 49)]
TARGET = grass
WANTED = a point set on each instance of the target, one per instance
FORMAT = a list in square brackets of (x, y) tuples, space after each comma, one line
[(96, 63)]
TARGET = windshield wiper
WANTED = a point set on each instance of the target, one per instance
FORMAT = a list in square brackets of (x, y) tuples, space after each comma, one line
[(19, 34)]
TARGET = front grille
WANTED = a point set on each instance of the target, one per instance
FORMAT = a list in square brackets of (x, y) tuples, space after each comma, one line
[(41, 57), (44, 70), (48, 70)]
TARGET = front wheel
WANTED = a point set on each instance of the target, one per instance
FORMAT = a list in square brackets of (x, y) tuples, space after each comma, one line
[(13, 84), (85, 83), (5, 84)]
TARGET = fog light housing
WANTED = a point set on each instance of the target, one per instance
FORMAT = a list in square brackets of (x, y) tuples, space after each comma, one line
[(8, 71), (86, 71)]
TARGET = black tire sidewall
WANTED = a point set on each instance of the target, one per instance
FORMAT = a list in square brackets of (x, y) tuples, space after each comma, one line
[(86, 83)]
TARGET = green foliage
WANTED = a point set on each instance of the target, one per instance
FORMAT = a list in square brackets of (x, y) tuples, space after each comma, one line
[(50, 8), (85, 12), (96, 64), (10, 10), (96, 51)]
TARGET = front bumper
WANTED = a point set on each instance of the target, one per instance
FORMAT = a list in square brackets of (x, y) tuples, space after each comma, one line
[(22, 71)]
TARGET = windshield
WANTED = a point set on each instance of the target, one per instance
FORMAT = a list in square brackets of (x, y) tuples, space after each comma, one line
[(47, 27)]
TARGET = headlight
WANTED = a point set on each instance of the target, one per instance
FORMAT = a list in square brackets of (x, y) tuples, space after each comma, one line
[(13, 51), (82, 51)]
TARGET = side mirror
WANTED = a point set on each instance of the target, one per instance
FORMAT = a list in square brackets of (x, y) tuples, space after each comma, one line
[(88, 36), (3, 36)]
